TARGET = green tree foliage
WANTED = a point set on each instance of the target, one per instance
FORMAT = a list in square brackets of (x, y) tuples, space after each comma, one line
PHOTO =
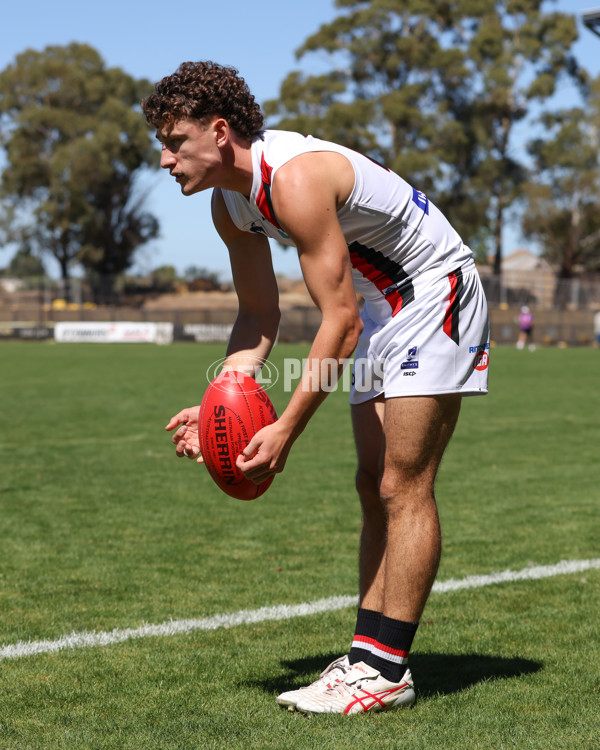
[(163, 278), (24, 265), (193, 273), (563, 204), (517, 55), (74, 144), (434, 90)]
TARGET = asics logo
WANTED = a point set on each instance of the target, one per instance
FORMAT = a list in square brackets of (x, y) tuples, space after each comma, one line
[(368, 700)]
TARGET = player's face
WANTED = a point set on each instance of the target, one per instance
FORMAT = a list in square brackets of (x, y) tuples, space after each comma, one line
[(191, 154)]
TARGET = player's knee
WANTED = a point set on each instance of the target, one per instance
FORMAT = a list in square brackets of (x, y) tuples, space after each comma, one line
[(399, 491), (390, 492)]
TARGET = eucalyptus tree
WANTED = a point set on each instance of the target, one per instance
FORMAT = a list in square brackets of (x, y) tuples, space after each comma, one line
[(563, 203), (75, 143), (436, 92)]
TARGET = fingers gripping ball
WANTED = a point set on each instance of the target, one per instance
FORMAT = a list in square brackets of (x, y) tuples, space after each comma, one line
[(233, 410)]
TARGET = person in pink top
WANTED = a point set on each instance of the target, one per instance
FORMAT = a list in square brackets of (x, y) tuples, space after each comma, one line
[(525, 328)]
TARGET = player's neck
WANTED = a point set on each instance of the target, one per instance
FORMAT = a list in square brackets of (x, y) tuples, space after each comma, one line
[(237, 171)]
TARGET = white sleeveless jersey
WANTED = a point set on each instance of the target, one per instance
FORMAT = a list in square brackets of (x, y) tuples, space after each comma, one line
[(393, 232)]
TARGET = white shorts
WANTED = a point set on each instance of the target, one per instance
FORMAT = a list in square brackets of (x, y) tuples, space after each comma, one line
[(437, 343)]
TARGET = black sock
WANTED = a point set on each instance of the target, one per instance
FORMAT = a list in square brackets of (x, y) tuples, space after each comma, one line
[(389, 652), (367, 628)]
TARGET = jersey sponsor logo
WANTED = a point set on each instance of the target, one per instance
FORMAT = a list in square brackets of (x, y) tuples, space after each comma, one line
[(479, 348), (409, 366), (482, 360), (421, 200)]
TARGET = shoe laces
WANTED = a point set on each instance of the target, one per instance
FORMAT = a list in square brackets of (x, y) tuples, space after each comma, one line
[(340, 663), (336, 669), (351, 684), (343, 689)]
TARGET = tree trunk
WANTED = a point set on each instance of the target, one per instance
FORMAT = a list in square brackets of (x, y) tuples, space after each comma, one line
[(66, 279), (498, 236)]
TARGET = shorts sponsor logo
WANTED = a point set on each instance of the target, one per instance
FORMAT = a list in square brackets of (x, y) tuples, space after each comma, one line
[(409, 372), (479, 348), (482, 360), (411, 363)]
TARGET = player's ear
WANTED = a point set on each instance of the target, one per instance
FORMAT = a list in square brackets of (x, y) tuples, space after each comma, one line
[(222, 131)]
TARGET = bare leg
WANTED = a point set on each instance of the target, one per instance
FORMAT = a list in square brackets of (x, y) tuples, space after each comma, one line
[(400, 443), (417, 431), (367, 420)]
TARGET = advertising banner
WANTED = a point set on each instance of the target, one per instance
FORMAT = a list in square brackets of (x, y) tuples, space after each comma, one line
[(114, 333)]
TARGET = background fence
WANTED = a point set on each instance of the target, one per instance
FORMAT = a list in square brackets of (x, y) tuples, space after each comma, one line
[(541, 290), (564, 312)]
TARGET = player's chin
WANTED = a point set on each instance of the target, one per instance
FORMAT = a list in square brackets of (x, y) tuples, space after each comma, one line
[(189, 188)]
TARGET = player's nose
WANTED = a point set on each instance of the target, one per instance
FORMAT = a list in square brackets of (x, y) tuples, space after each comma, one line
[(167, 159)]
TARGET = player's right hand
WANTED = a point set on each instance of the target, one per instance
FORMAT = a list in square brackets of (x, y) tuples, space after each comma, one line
[(185, 438)]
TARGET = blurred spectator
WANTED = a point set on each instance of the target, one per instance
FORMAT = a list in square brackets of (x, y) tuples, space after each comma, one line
[(525, 329)]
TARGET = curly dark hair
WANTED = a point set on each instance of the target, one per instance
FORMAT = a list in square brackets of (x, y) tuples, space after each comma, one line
[(200, 89)]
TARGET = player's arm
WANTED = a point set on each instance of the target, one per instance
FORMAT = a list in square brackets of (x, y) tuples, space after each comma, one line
[(255, 328), (257, 322), (306, 195)]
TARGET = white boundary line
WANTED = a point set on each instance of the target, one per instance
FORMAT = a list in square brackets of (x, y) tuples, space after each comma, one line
[(280, 612)]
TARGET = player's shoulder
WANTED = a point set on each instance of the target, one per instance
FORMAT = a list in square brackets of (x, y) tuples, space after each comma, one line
[(277, 146), (279, 137)]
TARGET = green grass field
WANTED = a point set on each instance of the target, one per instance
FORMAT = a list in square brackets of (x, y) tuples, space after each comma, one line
[(103, 528)]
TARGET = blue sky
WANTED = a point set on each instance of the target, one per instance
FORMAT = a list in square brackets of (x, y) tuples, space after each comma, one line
[(149, 39)]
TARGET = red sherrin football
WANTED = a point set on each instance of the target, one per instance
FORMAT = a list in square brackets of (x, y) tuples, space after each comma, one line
[(233, 410)]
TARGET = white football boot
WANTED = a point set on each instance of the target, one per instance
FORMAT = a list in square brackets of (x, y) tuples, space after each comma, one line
[(330, 676), (361, 690)]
